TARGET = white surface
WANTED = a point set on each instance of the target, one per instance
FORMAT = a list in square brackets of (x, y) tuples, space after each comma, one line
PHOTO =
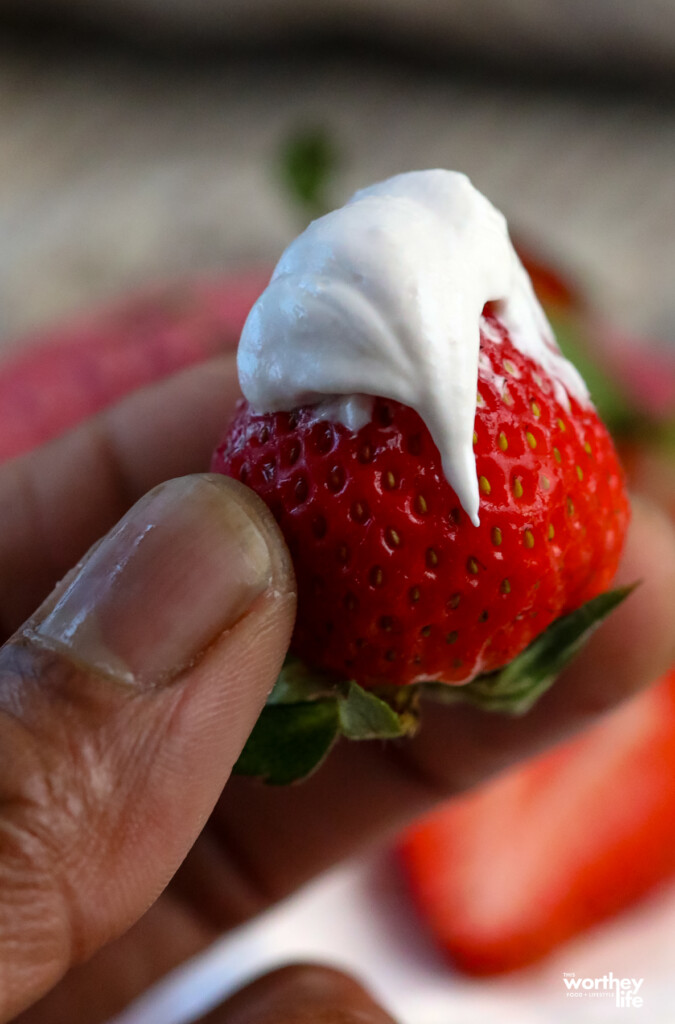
[(358, 917)]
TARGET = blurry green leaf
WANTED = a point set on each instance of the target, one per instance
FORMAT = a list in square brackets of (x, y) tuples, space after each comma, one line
[(308, 163)]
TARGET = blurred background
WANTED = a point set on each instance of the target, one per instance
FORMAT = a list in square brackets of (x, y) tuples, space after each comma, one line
[(139, 138), (147, 140)]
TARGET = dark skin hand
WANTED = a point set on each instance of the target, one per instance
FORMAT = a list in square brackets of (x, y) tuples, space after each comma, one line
[(127, 696), (301, 994)]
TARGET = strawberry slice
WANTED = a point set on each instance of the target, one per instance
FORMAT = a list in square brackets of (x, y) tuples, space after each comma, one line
[(505, 874)]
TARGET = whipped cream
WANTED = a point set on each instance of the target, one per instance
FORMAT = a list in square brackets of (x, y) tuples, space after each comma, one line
[(383, 297)]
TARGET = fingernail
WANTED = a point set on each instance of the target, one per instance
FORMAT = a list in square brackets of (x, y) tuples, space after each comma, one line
[(184, 564)]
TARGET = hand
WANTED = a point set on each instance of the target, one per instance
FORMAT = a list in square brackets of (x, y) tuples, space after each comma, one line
[(302, 994), (126, 698)]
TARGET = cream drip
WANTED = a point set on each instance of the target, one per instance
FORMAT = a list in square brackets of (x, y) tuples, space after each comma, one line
[(384, 297)]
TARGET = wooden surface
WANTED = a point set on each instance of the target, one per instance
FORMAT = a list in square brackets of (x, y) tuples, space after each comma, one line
[(115, 171)]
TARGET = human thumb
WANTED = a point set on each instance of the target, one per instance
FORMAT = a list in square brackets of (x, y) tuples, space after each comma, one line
[(124, 703)]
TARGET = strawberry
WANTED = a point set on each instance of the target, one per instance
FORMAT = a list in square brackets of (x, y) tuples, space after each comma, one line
[(556, 292), (505, 874), (59, 376), (395, 584), (103, 356)]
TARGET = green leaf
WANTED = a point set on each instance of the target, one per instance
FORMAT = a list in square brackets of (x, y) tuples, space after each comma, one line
[(297, 683), (307, 712), (517, 686), (365, 716), (308, 163), (289, 741)]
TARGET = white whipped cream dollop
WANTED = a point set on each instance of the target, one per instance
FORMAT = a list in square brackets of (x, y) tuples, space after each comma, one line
[(384, 297)]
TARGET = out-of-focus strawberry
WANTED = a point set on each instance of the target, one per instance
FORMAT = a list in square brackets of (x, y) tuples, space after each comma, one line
[(505, 874), (60, 376), (632, 381)]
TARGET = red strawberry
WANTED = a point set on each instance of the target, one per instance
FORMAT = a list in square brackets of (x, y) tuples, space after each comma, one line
[(555, 292), (57, 378), (395, 585), (505, 874)]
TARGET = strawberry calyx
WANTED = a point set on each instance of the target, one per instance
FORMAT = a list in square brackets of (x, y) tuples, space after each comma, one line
[(307, 711), (516, 687)]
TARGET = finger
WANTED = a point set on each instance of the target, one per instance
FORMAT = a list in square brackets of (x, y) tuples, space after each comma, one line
[(362, 794), (301, 994), (365, 791), (56, 501), (124, 703), (95, 992)]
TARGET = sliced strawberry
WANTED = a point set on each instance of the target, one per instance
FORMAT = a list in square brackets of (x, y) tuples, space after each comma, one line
[(505, 874)]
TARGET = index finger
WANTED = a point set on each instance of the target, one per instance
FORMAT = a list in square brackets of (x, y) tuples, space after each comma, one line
[(300, 994), (57, 501)]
